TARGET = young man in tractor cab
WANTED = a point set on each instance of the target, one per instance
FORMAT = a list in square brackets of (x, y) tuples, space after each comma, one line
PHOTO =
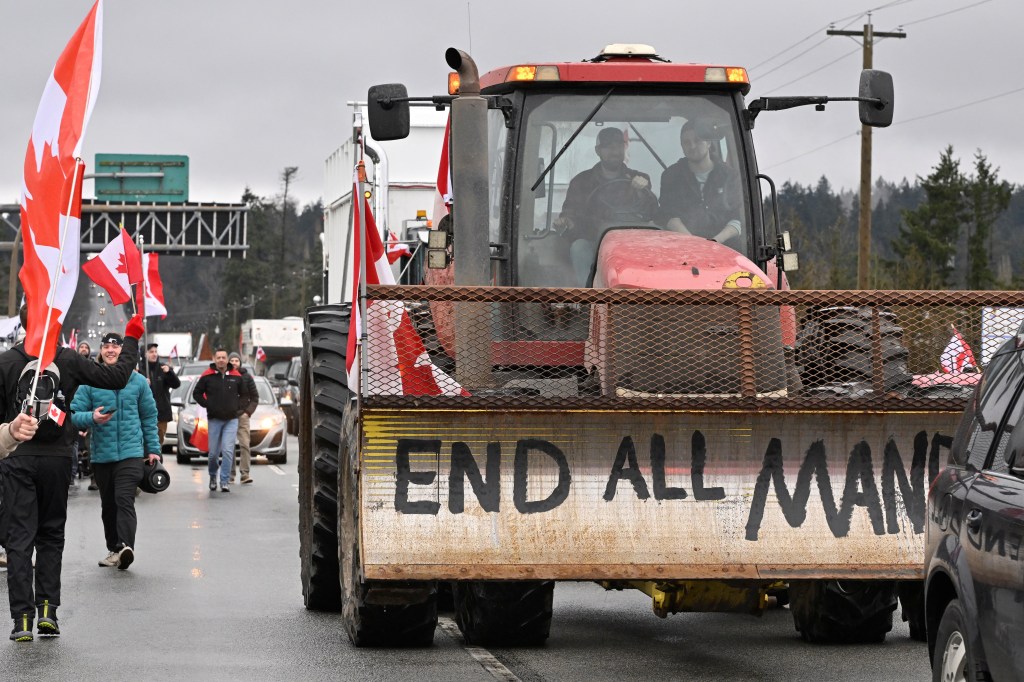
[(610, 191), (699, 194)]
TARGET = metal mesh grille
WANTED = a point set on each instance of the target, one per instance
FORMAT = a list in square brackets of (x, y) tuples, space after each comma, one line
[(533, 348)]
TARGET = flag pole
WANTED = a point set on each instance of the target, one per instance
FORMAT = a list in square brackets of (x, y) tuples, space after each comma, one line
[(145, 327), (133, 287), (361, 246), (56, 279)]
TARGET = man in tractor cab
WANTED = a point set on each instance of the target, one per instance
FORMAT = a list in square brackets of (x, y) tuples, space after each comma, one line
[(609, 193), (700, 195)]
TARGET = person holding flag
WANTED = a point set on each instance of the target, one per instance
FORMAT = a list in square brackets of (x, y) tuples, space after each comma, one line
[(37, 474)]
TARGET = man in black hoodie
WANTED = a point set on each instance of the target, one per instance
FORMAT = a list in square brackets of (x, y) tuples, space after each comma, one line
[(36, 479), (162, 380)]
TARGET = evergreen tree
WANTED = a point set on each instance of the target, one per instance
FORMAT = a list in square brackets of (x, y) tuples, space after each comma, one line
[(927, 240), (988, 198)]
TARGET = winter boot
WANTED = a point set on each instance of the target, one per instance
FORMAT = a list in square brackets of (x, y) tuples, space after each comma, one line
[(46, 623), (22, 631)]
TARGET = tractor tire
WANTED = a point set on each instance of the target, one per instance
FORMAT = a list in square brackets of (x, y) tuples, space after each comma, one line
[(912, 607), (504, 613), (326, 397), (183, 459), (391, 614), (842, 612), (834, 351)]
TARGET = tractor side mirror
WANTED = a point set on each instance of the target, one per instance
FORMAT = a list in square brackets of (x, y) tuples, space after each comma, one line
[(388, 108), (876, 85)]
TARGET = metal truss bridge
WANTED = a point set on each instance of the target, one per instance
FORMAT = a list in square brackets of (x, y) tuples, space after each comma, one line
[(188, 229)]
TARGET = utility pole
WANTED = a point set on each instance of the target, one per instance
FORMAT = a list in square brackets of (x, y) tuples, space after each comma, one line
[(286, 176), (864, 234)]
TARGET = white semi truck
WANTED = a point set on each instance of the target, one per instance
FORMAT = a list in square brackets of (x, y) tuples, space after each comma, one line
[(401, 177)]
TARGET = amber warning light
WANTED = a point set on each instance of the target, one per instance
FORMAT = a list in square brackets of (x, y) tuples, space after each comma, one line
[(727, 74), (529, 72), (453, 83)]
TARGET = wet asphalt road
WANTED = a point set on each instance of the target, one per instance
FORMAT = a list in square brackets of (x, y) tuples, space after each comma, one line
[(214, 594)]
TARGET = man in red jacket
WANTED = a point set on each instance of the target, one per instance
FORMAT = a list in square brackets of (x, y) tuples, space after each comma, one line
[(221, 391)]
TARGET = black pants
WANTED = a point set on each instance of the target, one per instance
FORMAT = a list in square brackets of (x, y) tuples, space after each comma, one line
[(35, 494), (117, 482)]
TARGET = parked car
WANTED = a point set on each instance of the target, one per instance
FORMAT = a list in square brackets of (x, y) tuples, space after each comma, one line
[(178, 397), (974, 580), (267, 435)]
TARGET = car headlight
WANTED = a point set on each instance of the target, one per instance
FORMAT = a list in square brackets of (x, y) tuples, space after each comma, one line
[(268, 423), (188, 419)]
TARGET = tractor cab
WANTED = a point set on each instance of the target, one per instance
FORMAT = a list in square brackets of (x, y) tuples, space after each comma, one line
[(623, 142)]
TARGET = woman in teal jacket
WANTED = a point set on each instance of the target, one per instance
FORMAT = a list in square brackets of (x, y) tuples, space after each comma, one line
[(124, 436)]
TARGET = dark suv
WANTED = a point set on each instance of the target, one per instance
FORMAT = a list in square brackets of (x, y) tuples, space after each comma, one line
[(974, 553)]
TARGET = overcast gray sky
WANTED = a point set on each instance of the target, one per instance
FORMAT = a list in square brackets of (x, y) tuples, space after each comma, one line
[(247, 87)]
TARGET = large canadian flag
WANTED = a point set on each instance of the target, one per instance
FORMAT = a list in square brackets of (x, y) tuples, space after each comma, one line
[(152, 302), (52, 183), (117, 267), (398, 360)]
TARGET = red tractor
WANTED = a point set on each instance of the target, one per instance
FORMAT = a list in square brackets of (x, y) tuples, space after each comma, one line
[(637, 383)]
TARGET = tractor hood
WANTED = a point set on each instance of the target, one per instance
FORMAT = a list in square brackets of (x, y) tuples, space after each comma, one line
[(659, 259)]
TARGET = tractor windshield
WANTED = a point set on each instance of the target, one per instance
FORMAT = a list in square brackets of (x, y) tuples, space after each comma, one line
[(652, 160)]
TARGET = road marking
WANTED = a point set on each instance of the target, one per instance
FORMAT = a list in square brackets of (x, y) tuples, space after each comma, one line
[(276, 469), (482, 656)]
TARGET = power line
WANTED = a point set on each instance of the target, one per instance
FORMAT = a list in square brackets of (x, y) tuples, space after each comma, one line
[(851, 18), (943, 14), (823, 66), (960, 106), (816, 149), (896, 123)]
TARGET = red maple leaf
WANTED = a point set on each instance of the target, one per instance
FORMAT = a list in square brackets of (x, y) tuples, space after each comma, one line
[(122, 264)]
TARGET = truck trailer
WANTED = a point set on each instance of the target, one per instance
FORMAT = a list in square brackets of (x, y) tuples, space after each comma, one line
[(638, 403)]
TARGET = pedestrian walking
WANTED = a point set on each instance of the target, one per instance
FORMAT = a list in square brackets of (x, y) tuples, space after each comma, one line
[(36, 478), (221, 391), (162, 380), (124, 435), (253, 401)]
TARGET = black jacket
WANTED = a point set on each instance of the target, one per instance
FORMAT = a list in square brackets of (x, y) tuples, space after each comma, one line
[(592, 200), (75, 370), (252, 394), (223, 394), (161, 383), (705, 212)]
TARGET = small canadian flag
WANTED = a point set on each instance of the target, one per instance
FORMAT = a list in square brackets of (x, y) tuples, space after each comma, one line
[(56, 414), (174, 353), (260, 354)]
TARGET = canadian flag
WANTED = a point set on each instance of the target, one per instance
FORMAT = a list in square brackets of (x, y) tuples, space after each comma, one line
[(957, 356), (398, 360), (173, 355), (261, 355), (73, 341), (153, 303), (53, 181), (396, 249), (117, 267), (56, 414), (443, 193)]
